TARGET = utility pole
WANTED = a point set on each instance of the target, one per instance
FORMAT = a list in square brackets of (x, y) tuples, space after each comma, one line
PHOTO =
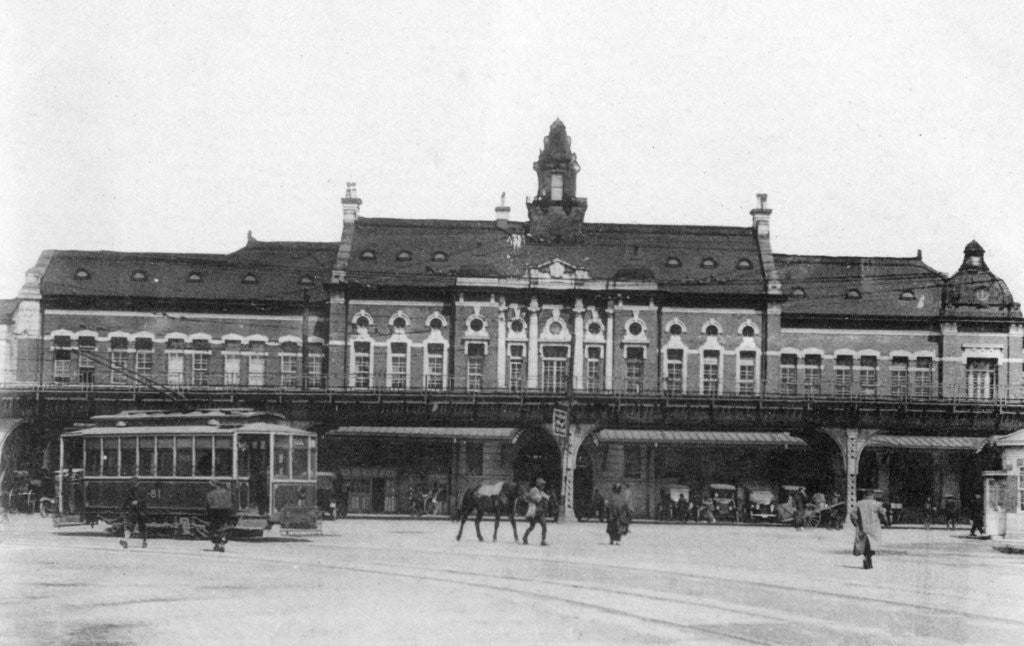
[(305, 339)]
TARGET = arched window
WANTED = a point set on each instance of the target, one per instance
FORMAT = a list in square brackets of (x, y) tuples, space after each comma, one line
[(708, 263), (440, 256), (798, 292), (403, 256), (853, 294), (673, 262), (138, 275), (195, 277), (250, 279), (743, 263), (368, 254), (82, 274)]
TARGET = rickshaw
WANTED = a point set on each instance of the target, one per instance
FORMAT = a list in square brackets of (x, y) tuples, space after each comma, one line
[(760, 504), (682, 506), (722, 502)]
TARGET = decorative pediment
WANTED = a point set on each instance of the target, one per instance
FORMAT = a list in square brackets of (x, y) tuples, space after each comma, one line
[(558, 269)]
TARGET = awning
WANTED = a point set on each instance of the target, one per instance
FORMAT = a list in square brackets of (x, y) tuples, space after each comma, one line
[(926, 442), (734, 438), (436, 432)]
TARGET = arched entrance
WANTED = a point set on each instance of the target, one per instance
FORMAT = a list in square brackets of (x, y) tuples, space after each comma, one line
[(537, 456)]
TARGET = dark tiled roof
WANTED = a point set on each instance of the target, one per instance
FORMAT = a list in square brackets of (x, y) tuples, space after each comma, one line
[(901, 287), (278, 266), (7, 308), (609, 252)]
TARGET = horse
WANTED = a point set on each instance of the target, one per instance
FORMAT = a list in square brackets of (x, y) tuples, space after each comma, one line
[(498, 498)]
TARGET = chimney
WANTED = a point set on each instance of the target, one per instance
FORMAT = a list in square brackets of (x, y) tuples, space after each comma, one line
[(501, 214), (350, 203), (761, 215)]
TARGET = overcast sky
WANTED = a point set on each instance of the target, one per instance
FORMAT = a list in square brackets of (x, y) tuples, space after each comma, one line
[(876, 129)]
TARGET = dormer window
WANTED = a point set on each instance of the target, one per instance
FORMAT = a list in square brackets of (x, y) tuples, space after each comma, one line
[(711, 330), (440, 256), (250, 279), (594, 328), (82, 274), (675, 329), (743, 263), (399, 323), (138, 275), (556, 187), (195, 277), (798, 292), (853, 294), (403, 256), (673, 262), (708, 263), (368, 254), (907, 296)]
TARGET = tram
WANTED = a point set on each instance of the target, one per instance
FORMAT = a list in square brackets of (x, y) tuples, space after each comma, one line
[(269, 467)]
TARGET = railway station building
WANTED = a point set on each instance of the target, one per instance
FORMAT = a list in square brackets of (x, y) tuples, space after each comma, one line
[(436, 354)]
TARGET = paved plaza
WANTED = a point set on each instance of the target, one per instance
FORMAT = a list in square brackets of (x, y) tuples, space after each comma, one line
[(371, 581)]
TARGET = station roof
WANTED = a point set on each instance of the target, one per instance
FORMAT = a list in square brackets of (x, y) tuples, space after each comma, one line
[(927, 442), (685, 259), (665, 436), (436, 432)]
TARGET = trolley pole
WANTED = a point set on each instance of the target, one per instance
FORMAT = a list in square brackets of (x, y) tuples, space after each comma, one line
[(305, 339)]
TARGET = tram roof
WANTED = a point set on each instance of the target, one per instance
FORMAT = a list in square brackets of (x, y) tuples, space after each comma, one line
[(160, 416), (188, 429)]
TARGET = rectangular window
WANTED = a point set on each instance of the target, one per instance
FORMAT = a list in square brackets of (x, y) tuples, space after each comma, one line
[(204, 455), (257, 370), (128, 460), (556, 187), (868, 376), (747, 374), (144, 356), (475, 366), (146, 456), (289, 370), (709, 372), (981, 378), (61, 366), (475, 458), (183, 456), (899, 377), (787, 375), (398, 376), (165, 456), (86, 365), (812, 375), (554, 368), (110, 456), (300, 458), (315, 367), (434, 378), (634, 370), (844, 376), (595, 369), (633, 461), (222, 456), (118, 360), (516, 367), (175, 368), (361, 364), (93, 456), (923, 372), (232, 370), (674, 372), (281, 456), (200, 369)]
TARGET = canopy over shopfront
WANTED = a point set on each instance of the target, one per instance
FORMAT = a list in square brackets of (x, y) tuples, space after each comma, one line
[(731, 438), (429, 432), (927, 443)]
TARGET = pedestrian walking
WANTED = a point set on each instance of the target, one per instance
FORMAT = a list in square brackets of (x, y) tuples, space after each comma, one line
[(799, 508), (618, 513), (135, 513), (537, 511), (929, 512), (977, 513), (867, 517), (219, 513), (949, 512)]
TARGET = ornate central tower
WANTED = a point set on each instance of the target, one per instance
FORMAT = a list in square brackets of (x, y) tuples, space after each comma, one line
[(556, 214)]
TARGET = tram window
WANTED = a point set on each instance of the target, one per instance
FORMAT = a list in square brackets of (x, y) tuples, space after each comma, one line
[(312, 456), (243, 460), (222, 456), (92, 456), (300, 458), (204, 455), (281, 456), (128, 456), (110, 456), (183, 456), (165, 456), (146, 456)]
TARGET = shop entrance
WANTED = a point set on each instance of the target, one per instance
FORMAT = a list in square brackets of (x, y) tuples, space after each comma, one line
[(537, 456)]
